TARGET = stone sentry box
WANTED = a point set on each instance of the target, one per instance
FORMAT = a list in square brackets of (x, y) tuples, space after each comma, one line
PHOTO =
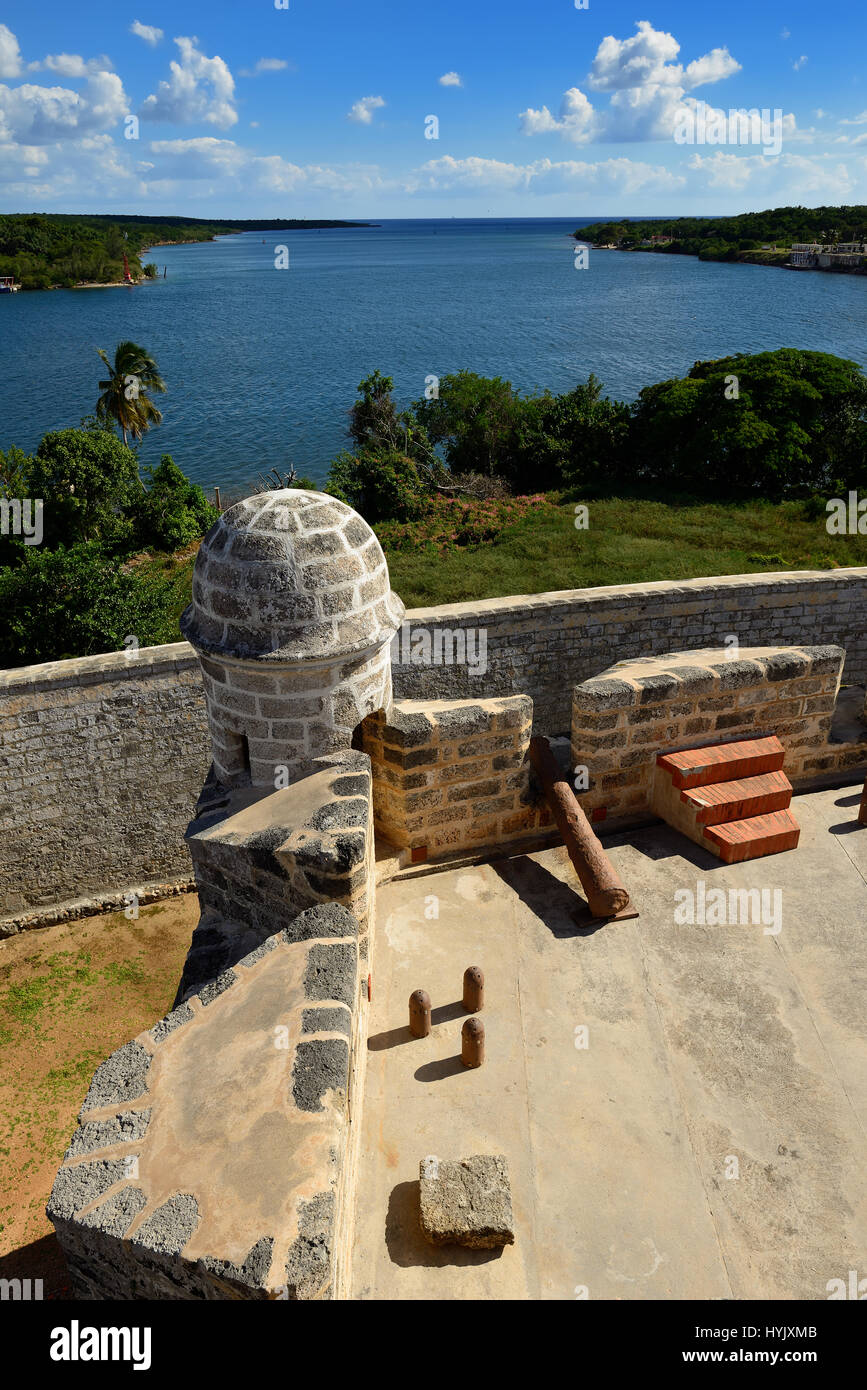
[(292, 619), (628, 714)]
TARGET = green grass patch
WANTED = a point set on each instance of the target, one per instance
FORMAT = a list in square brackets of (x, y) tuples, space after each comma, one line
[(513, 547)]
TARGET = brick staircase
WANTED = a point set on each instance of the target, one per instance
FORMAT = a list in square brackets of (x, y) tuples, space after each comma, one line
[(730, 798)]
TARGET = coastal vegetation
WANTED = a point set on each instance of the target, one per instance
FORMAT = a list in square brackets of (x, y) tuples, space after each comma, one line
[(59, 250), (475, 492), (125, 400), (742, 237)]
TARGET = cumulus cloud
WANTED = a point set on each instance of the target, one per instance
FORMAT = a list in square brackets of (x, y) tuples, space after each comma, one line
[(10, 53), (451, 79), (362, 111), (543, 176), (800, 62), (176, 162), (577, 120), (646, 84), (149, 32), (264, 65), (199, 89), (32, 115), (810, 175), (73, 65)]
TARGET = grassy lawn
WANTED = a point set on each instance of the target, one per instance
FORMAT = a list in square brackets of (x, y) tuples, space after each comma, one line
[(627, 541), (69, 995)]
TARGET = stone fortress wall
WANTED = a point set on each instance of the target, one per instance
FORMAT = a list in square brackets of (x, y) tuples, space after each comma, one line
[(102, 758), (215, 1153)]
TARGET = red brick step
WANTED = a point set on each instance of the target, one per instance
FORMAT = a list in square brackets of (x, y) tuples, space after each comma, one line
[(723, 762), (751, 839), (740, 798)]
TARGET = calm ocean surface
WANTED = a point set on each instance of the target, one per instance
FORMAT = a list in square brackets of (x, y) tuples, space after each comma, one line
[(262, 364)]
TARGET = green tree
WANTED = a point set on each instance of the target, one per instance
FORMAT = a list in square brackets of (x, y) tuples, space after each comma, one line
[(172, 512), (125, 399), (773, 424), (88, 480), (381, 486), (73, 602), (474, 418)]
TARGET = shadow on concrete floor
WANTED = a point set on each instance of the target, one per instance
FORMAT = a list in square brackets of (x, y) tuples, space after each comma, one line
[(394, 1037), (439, 1070), (406, 1244), (550, 899)]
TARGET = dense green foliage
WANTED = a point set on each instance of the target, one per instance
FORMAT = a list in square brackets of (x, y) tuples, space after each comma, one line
[(468, 492), (798, 424), (73, 601), (772, 424), (78, 592), (44, 250), (716, 238)]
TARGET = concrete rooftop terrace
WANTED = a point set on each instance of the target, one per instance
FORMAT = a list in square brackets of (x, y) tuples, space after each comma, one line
[(711, 1049)]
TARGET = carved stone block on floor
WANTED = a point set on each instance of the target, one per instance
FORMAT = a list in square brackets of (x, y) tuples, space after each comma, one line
[(466, 1201)]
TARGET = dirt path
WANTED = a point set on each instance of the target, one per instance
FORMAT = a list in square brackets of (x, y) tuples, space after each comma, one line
[(69, 995)]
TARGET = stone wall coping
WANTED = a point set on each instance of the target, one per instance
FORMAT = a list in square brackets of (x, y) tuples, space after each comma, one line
[(773, 582), (642, 680), (88, 670), (93, 670)]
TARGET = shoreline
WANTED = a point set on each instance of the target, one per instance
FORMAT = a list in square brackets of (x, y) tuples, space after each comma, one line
[(742, 258)]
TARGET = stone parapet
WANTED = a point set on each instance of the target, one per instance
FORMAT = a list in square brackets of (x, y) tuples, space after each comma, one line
[(209, 1161), (636, 709), (452, 775)]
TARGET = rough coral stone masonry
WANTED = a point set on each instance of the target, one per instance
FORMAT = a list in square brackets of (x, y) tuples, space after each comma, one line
[(292, 617), (452, 775), (209, 1158), (628, 714), (102, 758)]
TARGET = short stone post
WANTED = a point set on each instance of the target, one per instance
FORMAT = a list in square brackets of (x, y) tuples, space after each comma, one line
[(474, 989), (419, 1013), (473, 1043)]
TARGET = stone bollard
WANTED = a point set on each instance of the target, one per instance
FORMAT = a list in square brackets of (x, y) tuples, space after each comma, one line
[(473, 1043), (419, 1013), (474, 989)]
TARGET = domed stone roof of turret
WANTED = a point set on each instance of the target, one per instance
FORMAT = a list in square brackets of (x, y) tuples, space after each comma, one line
[(290, 576)]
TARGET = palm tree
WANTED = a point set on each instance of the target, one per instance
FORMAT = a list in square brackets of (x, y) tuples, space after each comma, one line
[(124, 396)]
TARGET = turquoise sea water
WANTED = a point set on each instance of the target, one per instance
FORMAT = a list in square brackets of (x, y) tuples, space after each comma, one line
[(262, 364)]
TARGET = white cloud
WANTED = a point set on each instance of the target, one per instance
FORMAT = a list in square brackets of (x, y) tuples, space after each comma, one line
[(577, 120), (362, 111), (800, 62), (199, 89), (73, 65), (543, 176), (785, 34), (451, 79), (784, 176), (149, 32), (646, 85), (856, 120), (10, 53), (41, 115), (713, 67), (264, 65)]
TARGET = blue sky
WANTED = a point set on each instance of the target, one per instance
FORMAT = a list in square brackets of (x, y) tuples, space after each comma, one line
[(320, 109)]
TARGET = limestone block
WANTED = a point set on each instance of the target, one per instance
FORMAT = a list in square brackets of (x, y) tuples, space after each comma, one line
[(467, 1201)]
